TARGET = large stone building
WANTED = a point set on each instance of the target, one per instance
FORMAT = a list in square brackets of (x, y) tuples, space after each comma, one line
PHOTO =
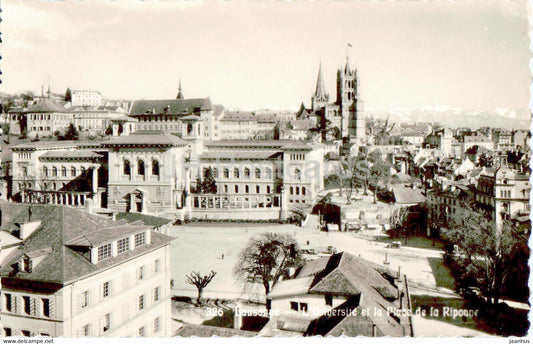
[(344, 116), (79, 275)]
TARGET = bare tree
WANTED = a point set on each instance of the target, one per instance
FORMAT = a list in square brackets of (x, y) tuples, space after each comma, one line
[(266, 259), (199, 281)]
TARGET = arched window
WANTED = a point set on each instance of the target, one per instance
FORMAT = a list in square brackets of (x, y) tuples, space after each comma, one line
[(189, 129), (297, 190), (63, 171), (155, 167), (127, 169), (54, 171), (297, 174), (215, 172), (257, 173), (303, 191), (45, 171), (226, 173), (268, 189), (291, 190), (82, 170), (246, 172), (236, 173), (73, 171), (268, 173), (140, 168)]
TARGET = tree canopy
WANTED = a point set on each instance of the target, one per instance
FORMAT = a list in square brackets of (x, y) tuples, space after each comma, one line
[(267, 258), (199, 281)]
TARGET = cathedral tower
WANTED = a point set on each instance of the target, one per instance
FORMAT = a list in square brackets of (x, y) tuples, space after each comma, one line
[(351, 109), (320, 98)]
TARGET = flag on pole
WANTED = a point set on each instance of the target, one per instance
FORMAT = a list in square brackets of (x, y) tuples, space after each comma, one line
[(350, 45)]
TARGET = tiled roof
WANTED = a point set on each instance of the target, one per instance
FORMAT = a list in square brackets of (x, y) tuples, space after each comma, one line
[(146, 139), (236, 155), (292, 287), (46, 105), (405, 195), (105, 235), (237, 116), (70, 154), (59, 225), (147, 220), (46, 144), (170, 106)]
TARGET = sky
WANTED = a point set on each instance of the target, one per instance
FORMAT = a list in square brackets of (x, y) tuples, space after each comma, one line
[(469, 55)]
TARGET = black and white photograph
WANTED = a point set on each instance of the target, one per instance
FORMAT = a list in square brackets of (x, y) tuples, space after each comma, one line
[(175, 169)]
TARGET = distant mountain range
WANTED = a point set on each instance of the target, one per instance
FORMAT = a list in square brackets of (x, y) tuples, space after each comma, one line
[(456, 117)]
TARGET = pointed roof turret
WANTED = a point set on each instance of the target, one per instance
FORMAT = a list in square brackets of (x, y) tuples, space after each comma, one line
[(347, 67), (320, 82), (180, 94)]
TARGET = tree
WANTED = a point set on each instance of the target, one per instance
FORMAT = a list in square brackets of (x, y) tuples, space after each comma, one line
[(6, 130), (485, 250), (485, 160), (200, 282), (68, 95), (379, 175), (208, 184), (266, 259), (109, 130), (71, 133)]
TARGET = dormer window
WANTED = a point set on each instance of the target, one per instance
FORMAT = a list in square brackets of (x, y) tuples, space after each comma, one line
[(123, 245), (26, 264), (104, 252), (140, 239)]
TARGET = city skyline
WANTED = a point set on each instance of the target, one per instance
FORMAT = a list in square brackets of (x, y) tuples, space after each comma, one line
[(257, 55)]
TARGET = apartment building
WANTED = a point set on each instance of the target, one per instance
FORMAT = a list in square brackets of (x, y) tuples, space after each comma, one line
[(79, 275)]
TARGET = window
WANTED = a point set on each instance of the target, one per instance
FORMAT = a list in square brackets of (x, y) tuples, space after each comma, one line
[(26, 264), (86, 330), (140, 239), (106, 289), (329, 300), (141, 331), (157, 324), (294, 306), (54, 171), (291, 190), (82, 171), (104, 252), (236, 188), (257, 173), (27, 304), (157, 290), (107, 322), (225, 189), (226, 173), (84, 299), (140, 168), (303, 307), (140, 273), (63, 171), (246, 189), (46, 307), (246, 172), (157, 264), (140, 303), (297, 174), (257, 189), (45, 171), (155, 167), (127, 170), (123, 245), (268, 188), (235, 172), (297, 190), (25, 333), (303, 190), (8, 302), (73, 171), (7, 332)]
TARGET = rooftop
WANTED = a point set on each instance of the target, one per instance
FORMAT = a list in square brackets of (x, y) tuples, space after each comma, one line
[(147, 138), (170, 106), (46, 105)]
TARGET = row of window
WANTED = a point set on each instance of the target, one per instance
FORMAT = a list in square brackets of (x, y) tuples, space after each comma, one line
[(123, 245), (64, 171), (258, 173), (140, 167), (296, 190), (246, 189), (34, 306), (296, 156), (105, 324), (40, 129)]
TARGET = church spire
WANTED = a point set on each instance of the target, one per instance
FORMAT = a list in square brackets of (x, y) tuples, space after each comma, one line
[(180, 94), (319, 82)]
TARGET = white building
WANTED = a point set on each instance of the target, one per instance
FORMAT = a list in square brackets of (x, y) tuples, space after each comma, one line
[(86, 98), (82, 275)]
